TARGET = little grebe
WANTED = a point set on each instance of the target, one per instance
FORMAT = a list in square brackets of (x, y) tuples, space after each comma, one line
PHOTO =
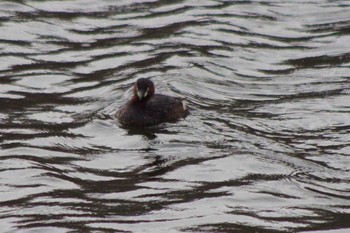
[(146, 108)]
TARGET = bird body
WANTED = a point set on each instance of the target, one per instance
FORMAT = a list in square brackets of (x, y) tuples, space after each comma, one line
[(147, 108)]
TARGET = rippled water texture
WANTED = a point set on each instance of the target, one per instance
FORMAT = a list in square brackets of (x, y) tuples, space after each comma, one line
[(266, 147)]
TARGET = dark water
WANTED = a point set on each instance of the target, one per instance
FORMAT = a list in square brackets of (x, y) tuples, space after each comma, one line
[(266, 147)]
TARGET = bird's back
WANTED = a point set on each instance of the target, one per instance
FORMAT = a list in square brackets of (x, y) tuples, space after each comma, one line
[(157, 109)]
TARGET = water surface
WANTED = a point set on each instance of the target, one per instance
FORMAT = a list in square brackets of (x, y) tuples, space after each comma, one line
[(266, 147)]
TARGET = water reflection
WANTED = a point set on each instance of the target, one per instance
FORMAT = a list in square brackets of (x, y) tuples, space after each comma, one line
[(265, 147)]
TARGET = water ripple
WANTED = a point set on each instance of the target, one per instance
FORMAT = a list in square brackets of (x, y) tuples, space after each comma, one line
[(265, 147)]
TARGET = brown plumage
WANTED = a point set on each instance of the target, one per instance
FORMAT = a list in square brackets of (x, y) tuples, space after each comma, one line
[(147, 108)]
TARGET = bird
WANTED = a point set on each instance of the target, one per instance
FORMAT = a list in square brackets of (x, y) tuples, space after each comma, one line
[(147, 108)]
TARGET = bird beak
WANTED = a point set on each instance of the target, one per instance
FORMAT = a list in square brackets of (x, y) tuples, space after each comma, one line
[(140, 94)]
